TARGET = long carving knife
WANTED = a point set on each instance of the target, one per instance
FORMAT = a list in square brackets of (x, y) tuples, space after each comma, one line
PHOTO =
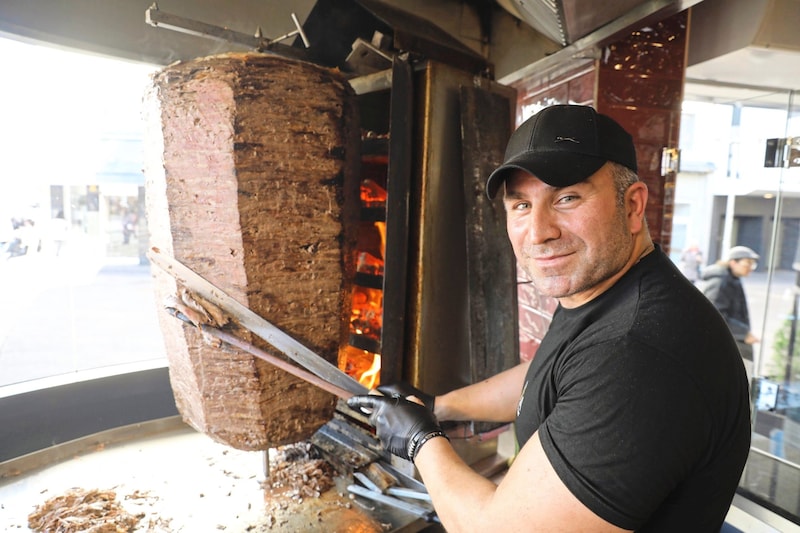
[(249, 320), (284, 365)]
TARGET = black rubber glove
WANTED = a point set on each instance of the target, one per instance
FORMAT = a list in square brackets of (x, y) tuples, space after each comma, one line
[(402, 426), (404, 390)]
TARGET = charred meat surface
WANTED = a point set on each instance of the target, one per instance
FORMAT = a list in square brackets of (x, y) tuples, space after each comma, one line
[(251, 166)]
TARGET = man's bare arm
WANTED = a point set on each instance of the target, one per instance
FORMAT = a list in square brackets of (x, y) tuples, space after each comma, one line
[(531, 496), (492, 400)]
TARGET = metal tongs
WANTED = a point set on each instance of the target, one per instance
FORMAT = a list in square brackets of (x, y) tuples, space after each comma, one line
[(394, 495)]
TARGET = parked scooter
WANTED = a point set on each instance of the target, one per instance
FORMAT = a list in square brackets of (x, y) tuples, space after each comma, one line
[(14, 248)]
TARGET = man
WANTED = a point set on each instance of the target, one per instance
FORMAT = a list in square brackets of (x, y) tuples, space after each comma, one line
[(691, 261), (634, 413), (722, 284)]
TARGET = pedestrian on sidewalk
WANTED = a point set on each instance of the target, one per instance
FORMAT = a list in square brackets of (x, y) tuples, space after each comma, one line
[(722, 284)]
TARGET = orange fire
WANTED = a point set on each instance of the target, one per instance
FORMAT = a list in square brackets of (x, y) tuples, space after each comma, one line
[(372, 194), (362, 365), (366, 316), (371, 378)]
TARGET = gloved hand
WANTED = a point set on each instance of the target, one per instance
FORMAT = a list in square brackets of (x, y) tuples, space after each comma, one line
[(402, 426), (404, 390)]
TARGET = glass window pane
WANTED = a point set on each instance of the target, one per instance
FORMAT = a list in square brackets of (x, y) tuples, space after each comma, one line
[(76, 296), (733, 199)]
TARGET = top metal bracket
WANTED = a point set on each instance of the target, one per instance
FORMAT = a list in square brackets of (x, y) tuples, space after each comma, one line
[(160, 19)]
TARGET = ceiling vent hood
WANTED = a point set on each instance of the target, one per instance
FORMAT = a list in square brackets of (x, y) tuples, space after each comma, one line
[(566, 21), (745, 42)]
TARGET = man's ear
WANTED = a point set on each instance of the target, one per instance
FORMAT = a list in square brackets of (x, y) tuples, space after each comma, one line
[(636, 204)]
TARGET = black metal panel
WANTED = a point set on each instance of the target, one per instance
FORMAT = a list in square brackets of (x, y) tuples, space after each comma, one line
[(397, 223), (334, 25), (494, 337), (40, 419), (424, 38)]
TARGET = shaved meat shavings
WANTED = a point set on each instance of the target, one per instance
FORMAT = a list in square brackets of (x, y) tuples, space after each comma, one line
[(297, 472), (81, 510)]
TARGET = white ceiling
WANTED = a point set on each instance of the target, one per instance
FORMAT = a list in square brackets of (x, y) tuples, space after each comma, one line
[(745, 49)]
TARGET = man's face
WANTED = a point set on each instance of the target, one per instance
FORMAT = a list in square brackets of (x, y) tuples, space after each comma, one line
[(571, 241), (742, 267)]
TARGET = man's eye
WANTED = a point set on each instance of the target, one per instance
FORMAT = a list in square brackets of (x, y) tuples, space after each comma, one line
[(521, 206), (567, 199)]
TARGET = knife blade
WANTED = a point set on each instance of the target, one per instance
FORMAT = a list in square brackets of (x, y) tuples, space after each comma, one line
[(256, 324)]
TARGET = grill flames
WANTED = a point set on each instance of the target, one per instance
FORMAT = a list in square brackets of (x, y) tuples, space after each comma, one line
[(366, 316)]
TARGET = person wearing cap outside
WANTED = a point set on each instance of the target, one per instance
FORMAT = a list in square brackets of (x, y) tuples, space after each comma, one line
[(722, 284), (634, 413)]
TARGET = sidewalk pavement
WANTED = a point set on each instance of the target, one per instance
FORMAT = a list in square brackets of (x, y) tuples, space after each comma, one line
[(74, 312)]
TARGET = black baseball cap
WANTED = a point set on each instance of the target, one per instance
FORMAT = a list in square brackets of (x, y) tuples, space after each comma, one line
[(563, 145)]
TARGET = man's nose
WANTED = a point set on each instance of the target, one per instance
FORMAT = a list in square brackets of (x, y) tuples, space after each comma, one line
[(542, 226)]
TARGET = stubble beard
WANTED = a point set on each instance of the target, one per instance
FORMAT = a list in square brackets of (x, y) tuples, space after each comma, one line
[(591, 264)]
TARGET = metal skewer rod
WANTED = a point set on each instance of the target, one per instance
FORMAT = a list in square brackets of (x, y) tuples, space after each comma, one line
[(266, 356), (277, 362)]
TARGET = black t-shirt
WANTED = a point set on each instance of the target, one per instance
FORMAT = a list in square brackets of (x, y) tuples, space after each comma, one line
[(641, 403)]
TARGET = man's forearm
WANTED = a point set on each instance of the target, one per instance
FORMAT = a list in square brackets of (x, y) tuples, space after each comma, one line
[(491, 400), (530, 497), (442, 470)]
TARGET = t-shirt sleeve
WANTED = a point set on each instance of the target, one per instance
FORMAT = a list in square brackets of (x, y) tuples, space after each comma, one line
[(627, 428)]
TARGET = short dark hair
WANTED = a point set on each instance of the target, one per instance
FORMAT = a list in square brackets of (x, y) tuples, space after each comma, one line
[(623, 178)]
